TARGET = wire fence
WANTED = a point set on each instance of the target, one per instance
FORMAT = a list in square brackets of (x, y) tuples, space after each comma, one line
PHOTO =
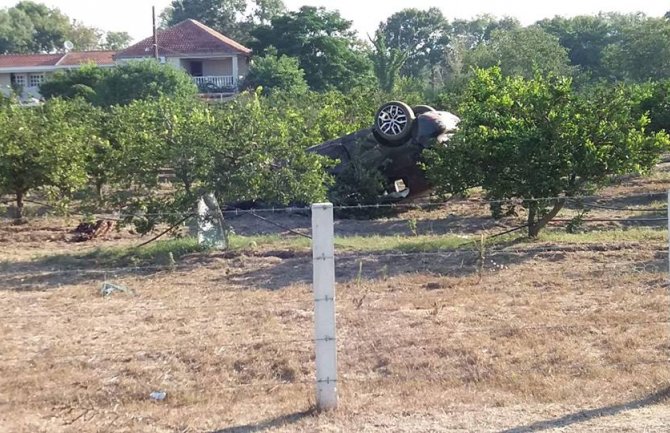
[(248, 316)]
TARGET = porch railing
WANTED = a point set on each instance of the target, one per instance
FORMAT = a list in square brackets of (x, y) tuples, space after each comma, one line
[(216, 84)]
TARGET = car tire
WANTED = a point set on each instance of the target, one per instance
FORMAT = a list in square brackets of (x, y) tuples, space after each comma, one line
[(394, 123)]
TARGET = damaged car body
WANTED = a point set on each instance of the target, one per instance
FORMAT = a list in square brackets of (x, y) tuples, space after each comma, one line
[(393, 145)]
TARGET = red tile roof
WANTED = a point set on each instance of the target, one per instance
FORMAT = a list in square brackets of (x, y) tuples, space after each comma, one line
[(97, 57), (187, 37), (28, 60), (52, 60)]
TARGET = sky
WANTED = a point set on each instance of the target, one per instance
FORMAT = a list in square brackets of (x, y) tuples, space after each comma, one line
[(134, 16)]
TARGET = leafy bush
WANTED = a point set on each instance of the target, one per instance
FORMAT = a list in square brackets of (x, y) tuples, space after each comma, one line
[(530, 139)]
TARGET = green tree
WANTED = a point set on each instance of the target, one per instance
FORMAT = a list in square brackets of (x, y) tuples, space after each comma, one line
[(423, 35), (121, 84), (276, 73), (83, 83), (16, 31), (536, 140), (50, 26), (41, 147), (387, 62), (142, 80), (522, 52), (585, 38), (472, 33), (643, 51), (222, 15), (324, 43), (241, 150), (265, 10), (84, 38), (116, 41)]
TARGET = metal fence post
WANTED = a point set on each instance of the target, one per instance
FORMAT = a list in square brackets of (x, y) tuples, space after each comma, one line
[(323, 255)]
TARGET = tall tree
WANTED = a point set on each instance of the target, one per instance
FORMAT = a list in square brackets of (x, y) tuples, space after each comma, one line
[(265, 10), (472, 33), (387, 61), (51, 26), (424, 35), (83, 37), (642, 52), (224, 16), (116, 41), (523, 52), (324, 43), (16, 31), (31, 27), (585, 38)]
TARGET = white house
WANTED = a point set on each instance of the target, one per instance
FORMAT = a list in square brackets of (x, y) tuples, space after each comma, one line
[(25, 72), (216, 63)]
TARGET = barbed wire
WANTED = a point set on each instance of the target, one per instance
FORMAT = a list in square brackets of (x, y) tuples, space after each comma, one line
[(416, 205)]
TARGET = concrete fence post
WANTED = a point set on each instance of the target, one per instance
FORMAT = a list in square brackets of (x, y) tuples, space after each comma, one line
[(323, 255)]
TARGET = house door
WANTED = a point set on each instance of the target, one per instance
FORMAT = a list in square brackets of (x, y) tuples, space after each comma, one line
[(196, 69)]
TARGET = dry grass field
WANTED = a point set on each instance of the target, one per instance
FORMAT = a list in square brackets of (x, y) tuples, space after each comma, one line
[(567, 333)]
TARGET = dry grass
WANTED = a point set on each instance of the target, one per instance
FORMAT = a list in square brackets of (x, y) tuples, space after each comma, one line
[(525, 337)]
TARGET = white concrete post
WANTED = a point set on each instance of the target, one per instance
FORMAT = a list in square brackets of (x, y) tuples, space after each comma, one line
[(323, 254)]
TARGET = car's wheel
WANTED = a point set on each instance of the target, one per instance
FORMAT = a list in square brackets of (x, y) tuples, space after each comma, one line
[(393, 123), (422, 109)]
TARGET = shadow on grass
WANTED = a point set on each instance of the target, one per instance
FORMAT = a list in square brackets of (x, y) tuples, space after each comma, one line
[(270, 424), (588, 415)]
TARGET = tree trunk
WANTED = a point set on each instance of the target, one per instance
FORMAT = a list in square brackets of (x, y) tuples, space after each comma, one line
[(534, 226), (99, 184), (19, 206)]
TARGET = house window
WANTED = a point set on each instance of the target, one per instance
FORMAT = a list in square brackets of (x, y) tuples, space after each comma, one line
[(35, 80), (19, 80)]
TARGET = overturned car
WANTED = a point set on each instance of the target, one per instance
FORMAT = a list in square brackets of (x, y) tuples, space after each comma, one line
[(393, 145)]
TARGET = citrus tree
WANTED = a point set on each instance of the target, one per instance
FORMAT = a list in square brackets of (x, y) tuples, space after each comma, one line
[(538, 141), (41, 147)]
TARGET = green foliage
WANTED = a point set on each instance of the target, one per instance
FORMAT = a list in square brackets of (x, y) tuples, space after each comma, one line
[(642, 52), (532, 139), (387, 62), (116, 41), (472, 33), (31, 27), (522, 52), (143, 80), (82, 82), (422, 35), (242, 151), (121, 84), (276, 73), (324, 44), (585, 38), (51, 26), (41, 147), (16, 30), (655, 101), (218, 14)]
